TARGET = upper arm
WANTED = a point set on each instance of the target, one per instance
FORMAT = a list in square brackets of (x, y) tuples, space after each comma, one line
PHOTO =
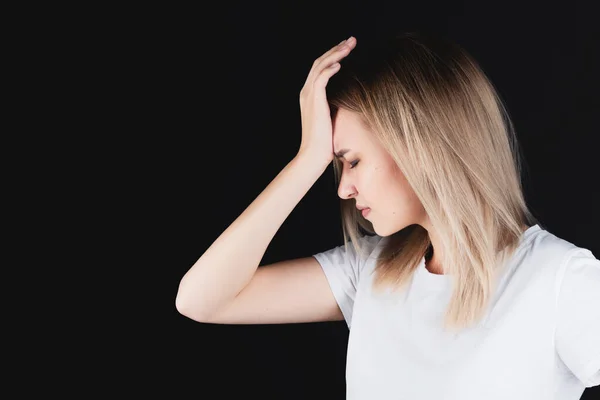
[(288, 291)]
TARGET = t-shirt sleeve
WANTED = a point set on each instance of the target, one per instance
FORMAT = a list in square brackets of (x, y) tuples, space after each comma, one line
[(577, 335), (343, 270)]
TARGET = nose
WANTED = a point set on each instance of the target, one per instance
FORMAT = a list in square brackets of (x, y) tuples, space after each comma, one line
[(346, 191)]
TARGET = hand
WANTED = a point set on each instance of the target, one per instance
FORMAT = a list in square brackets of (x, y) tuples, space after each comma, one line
[(317, 131)]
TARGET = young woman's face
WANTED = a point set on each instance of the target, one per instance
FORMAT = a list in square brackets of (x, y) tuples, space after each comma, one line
[(372, 178)]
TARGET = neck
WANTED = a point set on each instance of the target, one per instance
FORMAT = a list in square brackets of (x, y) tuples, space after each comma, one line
[(432, 265)]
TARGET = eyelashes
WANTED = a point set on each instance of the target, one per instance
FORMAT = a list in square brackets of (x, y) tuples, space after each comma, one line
[(353, 164)]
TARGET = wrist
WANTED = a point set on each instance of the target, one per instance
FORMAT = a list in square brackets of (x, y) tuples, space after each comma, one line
[(312, 160)]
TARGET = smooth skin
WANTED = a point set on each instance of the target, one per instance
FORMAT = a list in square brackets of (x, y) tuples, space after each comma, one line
[(226, 285)]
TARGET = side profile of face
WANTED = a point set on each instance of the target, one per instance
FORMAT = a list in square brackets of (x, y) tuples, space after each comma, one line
[(372, 178)]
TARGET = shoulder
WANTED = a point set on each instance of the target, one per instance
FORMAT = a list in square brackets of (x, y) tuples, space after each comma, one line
[(543, 248), (549, 257), (355, 254)]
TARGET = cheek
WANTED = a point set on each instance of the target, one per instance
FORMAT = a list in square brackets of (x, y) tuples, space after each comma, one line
[(370, 181), (380, 186), (394, 193)]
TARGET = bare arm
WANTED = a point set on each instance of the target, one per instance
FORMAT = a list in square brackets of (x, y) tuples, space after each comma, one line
[(224, 284), (229, 264), (290, 291)]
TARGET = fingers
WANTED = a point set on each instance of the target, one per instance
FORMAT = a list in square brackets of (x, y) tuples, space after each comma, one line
[(341, 49), (334, 55), (322, 79)]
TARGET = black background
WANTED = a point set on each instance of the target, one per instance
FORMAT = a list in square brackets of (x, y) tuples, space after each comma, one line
[(184, 114)]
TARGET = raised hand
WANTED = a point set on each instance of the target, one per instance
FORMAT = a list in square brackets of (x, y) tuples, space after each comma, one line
[(317, 128)]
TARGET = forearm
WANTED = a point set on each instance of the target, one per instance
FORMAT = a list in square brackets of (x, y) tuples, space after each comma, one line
[(228, 265)]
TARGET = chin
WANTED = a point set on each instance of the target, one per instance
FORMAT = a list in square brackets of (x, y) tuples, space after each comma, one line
[(388, 231), (382, 233)]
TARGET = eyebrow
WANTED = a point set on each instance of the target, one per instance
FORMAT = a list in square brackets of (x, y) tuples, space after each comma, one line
[(341, 153)]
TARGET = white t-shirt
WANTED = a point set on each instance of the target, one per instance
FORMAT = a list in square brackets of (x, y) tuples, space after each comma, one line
[(541, 339)]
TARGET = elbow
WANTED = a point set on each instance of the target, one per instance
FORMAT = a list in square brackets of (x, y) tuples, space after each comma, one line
[(188, 308), (182, 302), (181, 305)]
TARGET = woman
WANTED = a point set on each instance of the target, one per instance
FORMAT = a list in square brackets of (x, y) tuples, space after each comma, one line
[(451, 288)]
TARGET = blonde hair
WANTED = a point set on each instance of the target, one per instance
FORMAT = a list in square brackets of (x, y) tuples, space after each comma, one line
[(441, 120)]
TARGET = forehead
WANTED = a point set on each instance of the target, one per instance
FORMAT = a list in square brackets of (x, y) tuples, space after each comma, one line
[(349, 130)]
